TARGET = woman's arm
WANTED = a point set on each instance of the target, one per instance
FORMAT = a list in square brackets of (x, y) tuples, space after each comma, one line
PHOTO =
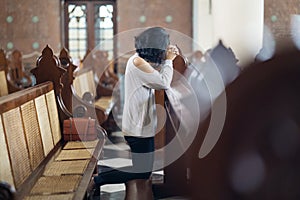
[(157, 79), (152, 78)]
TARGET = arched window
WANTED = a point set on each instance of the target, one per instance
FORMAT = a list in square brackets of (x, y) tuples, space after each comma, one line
[(87, 23)]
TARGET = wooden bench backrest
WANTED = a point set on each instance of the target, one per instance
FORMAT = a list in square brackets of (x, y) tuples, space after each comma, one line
[(15, 65), (29, 130), (12, 75), (3, 68), (16, 73), (84, 82), (3, 84)]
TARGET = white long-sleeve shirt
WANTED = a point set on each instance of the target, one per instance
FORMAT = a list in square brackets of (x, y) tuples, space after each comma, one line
[(139, 114)]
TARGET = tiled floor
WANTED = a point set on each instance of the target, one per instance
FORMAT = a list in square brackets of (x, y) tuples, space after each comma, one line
[(116, 154)]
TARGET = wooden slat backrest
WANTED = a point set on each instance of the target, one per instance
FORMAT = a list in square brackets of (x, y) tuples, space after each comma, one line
[(3, 84), (53, 116), (5, 167), (84, 82), (3, 70), (44, 123), (17, 160), (32, 133), (17, 147)]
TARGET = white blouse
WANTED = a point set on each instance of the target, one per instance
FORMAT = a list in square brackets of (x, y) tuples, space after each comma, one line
[(139, 113)]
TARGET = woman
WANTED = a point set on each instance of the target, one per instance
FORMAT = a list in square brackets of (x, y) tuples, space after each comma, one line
[(148, 69)]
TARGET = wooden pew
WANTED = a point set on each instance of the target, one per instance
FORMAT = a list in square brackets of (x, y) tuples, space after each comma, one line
[(84, 92), (181, 115), (257, 153), (48, 69), (105, 75), (67, 78), (16, 73), (13, 72), (35, 160), (3, 68), (6, 85), (174, 173), (103, 69)]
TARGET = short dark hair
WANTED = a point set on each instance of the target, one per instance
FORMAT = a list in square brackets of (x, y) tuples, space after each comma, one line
[(151, 45)]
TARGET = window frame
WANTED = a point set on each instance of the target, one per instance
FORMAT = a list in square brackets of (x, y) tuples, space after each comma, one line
[(90, 7)]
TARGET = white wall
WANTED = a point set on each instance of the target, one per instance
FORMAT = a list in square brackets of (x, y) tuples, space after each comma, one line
[(202, 25), (239, 23)]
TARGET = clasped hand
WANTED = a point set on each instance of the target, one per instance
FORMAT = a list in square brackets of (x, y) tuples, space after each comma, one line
[(172, 52)]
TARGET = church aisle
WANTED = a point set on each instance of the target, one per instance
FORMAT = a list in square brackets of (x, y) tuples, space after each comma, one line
[(116, 155)]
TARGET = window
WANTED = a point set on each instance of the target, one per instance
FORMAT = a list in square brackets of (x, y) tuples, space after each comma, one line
[(88, 24)]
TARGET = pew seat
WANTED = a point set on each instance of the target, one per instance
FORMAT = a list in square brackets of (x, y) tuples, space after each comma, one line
[(35, 160)]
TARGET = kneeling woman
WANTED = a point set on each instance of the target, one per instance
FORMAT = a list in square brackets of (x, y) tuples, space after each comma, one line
[(148, 69)]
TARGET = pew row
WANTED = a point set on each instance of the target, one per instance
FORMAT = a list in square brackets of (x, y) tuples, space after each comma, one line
[(35, 161), (103, 69), (80, 88), (61, 72), (12, 75), (16, 73), (84, 89)]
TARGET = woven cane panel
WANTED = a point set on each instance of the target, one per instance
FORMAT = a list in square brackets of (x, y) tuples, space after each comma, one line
[(5, 168), (58, 168), (43, 119), (81, 145), (3, 84), (51, 197), (16, 145), (56, 184), (32, 133), (53, 114), (77, 154)]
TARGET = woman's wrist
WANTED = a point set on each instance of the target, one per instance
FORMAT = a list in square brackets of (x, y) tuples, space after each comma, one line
[(168, 62)]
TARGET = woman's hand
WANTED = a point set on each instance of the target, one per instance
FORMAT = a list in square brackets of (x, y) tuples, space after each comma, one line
[(172, 52)]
